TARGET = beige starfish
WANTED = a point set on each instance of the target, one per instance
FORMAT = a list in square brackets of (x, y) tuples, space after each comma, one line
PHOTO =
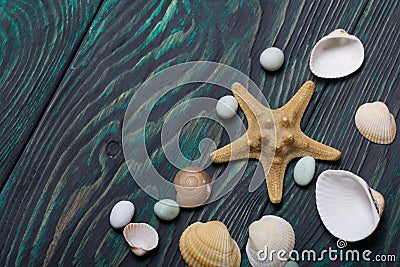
[(290, 141)]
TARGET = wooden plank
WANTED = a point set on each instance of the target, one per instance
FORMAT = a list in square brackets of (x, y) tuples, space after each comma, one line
[(39, 41), (59, 215), (331, 119)]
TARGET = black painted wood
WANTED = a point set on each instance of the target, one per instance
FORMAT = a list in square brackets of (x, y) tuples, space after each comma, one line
[(56, 202), (38, 42)]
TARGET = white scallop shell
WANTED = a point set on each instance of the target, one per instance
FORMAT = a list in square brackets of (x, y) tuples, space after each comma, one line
[(349, 209), (375, 122), (141, 237), (336, 55), (267, 234)]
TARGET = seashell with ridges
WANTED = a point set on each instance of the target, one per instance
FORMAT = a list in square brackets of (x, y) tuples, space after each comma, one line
[(209, 244), (348, 207), (376, 123), (193, 187), (267, 234), (336, 55), (141, 237)]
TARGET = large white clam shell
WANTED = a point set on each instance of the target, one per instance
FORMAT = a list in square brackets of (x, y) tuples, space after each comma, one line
[(336, 55), (375, 122), (209, 245), (141, 237), (348, 207), (267, 234)]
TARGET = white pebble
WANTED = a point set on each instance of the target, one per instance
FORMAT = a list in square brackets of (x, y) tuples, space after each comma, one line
[(227, 107), (304, 171), (121, 214), (272, 58), (166, 209)]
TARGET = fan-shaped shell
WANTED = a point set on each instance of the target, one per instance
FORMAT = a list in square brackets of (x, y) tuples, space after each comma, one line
[(193, 187), (267, 234), (375, 122), (209, 244), (349, 209), (141, 237), (336, 55)]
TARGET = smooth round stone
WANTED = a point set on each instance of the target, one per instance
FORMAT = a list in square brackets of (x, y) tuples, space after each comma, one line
[(166, 209), (272, 58), (227, 107), (291, 264), (122, 214), (304, 171)]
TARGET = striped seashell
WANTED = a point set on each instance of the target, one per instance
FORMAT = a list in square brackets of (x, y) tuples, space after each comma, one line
[(209, 244), (141, 237), (267, 234), (375, 123)]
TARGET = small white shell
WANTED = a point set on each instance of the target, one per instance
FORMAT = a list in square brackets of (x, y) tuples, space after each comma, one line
[(375, 123), (304, 171), (226, 107), (267, 234), (121, 214), (337, 55), (141, 237), (166, 209), (348, 208)]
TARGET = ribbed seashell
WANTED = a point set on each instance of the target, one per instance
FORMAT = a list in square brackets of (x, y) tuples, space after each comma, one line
[(209, 244), (193, 187), (348, 207), (141, 237), (267, 234), (336, 55), (375, 122)]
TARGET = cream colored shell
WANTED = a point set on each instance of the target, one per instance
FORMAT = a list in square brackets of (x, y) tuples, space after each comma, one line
[(267, 234), (336, 55), (193, 187), (348, 207), (376, 123), (141, 238), (209, 244)]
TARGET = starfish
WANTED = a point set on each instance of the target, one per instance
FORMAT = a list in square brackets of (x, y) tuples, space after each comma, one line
[(272, 131)]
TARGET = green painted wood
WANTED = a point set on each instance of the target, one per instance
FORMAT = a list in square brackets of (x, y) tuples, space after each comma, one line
[(73, 167), (38, 42)]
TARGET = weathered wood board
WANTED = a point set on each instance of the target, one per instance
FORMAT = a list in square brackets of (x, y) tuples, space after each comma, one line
[(38, 43), (56, 201)]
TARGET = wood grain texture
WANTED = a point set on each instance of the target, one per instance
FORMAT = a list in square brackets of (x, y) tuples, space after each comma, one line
[(38, 42), (54, 208)]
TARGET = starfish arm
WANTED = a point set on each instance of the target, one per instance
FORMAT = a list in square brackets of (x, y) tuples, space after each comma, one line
[(238, 149), (298, 103), (274, 175), (310, 147), (248, 103)]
